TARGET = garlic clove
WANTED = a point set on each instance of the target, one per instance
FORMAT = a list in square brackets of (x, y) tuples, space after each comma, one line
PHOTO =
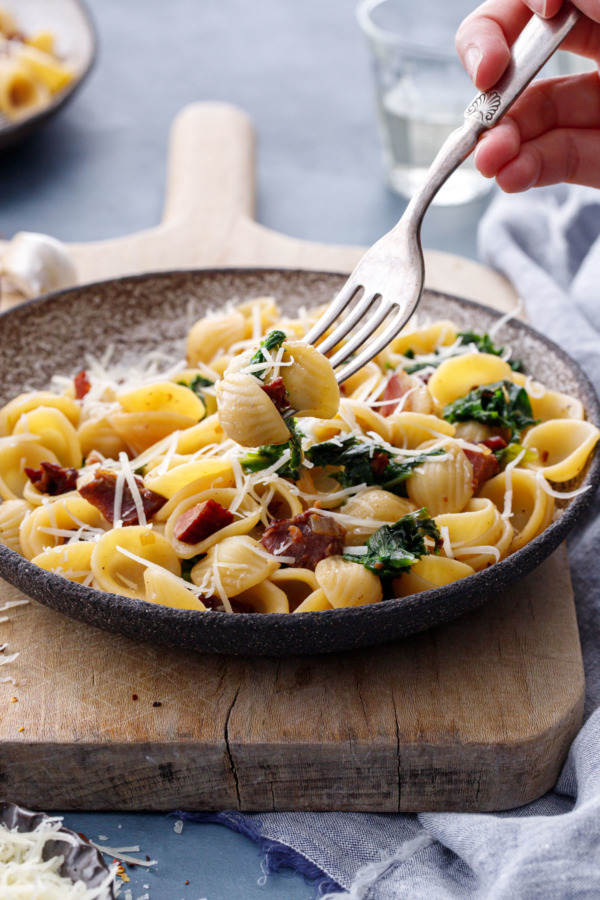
[(37, 263)]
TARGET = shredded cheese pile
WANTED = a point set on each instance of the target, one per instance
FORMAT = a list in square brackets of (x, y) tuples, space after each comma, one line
[(25, 875)]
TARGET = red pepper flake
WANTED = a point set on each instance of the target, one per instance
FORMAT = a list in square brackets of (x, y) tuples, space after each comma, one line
[(82, 384), (134, 697), (157, 703)]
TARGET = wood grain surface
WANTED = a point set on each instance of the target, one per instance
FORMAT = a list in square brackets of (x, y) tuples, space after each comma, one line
[(474, 715)]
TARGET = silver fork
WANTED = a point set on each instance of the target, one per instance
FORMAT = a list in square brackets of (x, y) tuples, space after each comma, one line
[(391, 272)]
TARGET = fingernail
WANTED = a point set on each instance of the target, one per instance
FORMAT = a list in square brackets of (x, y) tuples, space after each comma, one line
[(473, 57), (538, 6)]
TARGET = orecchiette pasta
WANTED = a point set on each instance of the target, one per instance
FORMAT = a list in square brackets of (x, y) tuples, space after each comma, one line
[(457, 375), (347, 583), (246, 413), (243, 480), (121, 557), (31, 73), (444, 484)]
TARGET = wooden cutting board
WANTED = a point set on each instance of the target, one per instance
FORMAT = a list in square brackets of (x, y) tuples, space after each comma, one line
[(475, 715)]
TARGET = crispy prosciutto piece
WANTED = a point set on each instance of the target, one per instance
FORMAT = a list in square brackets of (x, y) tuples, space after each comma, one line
[(201, 521), (100, 492), (277, 394), (52, 479), (495, 443), (397, 387), (308, 537), (379, 463), (485, 465), (82, 384)]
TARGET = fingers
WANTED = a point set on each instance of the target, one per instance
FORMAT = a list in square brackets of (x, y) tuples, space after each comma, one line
[(484, 38), (571, 101), (544, 8), (568, 103), (498, 147), (562, 155)]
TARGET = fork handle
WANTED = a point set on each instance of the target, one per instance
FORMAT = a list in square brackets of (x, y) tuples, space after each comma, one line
[(534, 47)]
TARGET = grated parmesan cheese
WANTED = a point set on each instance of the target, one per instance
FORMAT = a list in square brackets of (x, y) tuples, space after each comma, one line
[(445, 535), (508, 492), (116, 853), (482, 548), (560, 495), (133, 487), (25, 875)]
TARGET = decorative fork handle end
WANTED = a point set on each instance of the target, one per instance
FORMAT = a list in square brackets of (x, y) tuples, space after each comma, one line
[(533, 48)]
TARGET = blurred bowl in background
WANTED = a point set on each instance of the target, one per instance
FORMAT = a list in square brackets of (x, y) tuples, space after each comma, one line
[(75, 43)]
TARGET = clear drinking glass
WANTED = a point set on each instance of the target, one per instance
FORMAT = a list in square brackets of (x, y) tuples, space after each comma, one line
[(422, 90)]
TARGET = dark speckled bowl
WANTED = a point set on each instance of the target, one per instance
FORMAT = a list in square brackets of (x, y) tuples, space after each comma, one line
[(138, 314), (82, 862)]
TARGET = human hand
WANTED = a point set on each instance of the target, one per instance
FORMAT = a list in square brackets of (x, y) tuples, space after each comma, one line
[(552, 132)]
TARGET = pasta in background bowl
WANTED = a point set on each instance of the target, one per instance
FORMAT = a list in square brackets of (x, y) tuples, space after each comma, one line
[(153, 314), (44, 64)]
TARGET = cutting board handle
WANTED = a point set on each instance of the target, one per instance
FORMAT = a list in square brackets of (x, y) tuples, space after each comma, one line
[(211, 165)]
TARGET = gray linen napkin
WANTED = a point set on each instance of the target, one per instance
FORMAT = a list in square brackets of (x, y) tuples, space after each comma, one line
[(547, 243)]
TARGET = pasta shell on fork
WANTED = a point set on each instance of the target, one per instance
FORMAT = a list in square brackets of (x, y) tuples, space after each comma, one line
[(247, 414)]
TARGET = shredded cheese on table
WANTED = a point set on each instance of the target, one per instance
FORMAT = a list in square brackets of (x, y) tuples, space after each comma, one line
[(26, 875)]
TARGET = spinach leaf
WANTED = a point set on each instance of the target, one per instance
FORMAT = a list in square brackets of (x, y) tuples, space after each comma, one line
[(410, 370), (295, 444), (507, 454), (368, 464), (502, 404), (273, 341), (188, 564), (393, 549), (267, 455), (196, 384), (484, 344)]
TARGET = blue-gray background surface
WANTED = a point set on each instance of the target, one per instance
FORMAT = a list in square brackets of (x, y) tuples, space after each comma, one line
[(300, 69)]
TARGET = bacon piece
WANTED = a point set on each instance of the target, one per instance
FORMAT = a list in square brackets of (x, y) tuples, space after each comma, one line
[(308, 538), (100, 492), (379, 463), (277, 394), (52, 479), (82, 384), (495, 443), (201, 521), (485, 465), (397, 387)]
